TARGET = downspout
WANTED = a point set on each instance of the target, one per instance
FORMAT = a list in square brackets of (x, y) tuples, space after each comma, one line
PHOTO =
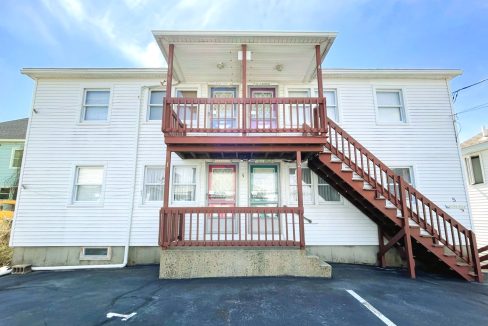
[(129, 220)]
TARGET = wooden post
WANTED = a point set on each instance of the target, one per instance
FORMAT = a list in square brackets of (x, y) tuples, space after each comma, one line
[(300, 200), (381, 253), (167, 173), (169, 82), (406, 227), (320, 89), (244, 87), (475, 258)]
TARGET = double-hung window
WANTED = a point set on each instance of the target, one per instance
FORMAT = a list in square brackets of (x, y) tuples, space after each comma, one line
[(406, 173), (300, 113), (155, 107), (95, 105), (326, 192), (188, 113), (16, 160), (184, 183), (88, 184), (306, 185), (153, 183), (473, 167), (331, 103), (390, 106)]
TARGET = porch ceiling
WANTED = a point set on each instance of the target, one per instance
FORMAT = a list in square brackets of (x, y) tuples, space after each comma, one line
[(198, 54)]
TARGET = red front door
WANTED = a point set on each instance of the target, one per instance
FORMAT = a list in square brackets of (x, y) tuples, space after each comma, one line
[(221, 193), (263, 116)]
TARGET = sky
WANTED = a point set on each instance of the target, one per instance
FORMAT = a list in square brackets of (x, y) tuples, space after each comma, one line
[(371, 34)]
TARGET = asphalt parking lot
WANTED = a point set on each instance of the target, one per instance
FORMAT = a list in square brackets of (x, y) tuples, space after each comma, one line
[(85, 297)]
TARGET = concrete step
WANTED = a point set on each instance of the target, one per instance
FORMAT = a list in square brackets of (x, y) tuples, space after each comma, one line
[(205, 262)]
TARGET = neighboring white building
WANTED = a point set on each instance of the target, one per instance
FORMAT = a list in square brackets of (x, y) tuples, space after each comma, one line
[(94, 162), (475, 154)]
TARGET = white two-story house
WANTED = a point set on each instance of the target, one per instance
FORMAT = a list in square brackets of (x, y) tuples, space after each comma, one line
[(243, 142)]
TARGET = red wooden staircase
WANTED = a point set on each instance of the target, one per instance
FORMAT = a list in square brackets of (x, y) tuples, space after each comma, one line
[(405, 218)]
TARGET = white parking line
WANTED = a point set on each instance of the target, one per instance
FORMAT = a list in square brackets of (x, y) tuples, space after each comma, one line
[(371, 308)]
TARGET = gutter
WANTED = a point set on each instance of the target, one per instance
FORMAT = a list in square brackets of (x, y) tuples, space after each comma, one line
[(129, 220)]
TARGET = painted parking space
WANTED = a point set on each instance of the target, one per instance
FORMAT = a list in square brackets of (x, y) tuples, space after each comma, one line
[(87, 297)]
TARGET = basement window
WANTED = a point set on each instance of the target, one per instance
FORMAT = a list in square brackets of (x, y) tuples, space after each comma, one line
[(96, 253)]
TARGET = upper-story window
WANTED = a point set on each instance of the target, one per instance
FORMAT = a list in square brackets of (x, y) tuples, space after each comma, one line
[(331, 102), (88, 184), (95, 105), (16, 160), (390, 106), (473, 167), (302, 113), (155, 107)]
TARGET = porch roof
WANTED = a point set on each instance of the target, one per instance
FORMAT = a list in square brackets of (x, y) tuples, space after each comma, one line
[(202, 56)]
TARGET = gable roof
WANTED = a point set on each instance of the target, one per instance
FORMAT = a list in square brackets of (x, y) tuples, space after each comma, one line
[(14, 129), (478, 139)]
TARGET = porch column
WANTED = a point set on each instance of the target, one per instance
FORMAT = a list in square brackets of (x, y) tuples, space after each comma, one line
[(244, 86), (300, 200), (320, 90), (169, 82), (167, 173)]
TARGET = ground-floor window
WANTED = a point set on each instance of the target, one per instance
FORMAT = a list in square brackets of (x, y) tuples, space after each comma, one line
[(184, 183), (315, 189), (153, 183)]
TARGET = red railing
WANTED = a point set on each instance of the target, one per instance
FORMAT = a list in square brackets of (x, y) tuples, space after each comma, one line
[(444, 228), (483, 253), (232, 226), (184, 116)]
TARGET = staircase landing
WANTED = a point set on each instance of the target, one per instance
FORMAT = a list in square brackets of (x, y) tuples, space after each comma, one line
[(183, 263)]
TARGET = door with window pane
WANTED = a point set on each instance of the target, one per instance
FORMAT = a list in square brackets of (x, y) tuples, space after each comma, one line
[(223, 116), (221, 193), (264, 193), (263, 116)]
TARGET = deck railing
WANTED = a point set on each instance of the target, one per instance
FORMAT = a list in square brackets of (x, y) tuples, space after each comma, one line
[(184, 116), (445, 229), (232, 226)]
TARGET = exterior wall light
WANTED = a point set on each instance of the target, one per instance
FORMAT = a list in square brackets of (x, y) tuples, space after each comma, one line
[(220, 65), (279, 67)]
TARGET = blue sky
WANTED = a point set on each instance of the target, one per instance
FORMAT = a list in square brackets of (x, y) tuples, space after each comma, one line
[(372, 34)]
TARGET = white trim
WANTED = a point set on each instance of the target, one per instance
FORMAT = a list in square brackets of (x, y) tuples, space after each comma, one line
[(469, 169), (172, 188), (82, 120), (72, 199), (12, 157), (84, 256), (403, 108)]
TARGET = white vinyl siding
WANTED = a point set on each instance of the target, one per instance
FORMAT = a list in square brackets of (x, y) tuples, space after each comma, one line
[(184, 183), (88, 184), (390, 106), (153, 183), (57, 142), (95, 105), (155, 105)]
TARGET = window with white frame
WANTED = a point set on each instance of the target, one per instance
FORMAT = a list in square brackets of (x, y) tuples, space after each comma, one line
[(406, 173), (184, 183), (300, 112), (331, 102), (390, 106), (88, 184), (95, 105), (16, 160), (474, 170), (306, 185), (153, 183), (155, 106), (326, 192), (188, 113)]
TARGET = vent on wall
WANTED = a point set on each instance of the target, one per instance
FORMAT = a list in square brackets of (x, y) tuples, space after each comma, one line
[(96, 253)]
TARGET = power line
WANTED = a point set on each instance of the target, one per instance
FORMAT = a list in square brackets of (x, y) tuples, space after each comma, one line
[(474, 108), (456, 92)]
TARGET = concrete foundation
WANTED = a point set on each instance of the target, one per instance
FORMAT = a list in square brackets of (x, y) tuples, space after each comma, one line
[(66, 256), (208, 262), (364, 255)]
